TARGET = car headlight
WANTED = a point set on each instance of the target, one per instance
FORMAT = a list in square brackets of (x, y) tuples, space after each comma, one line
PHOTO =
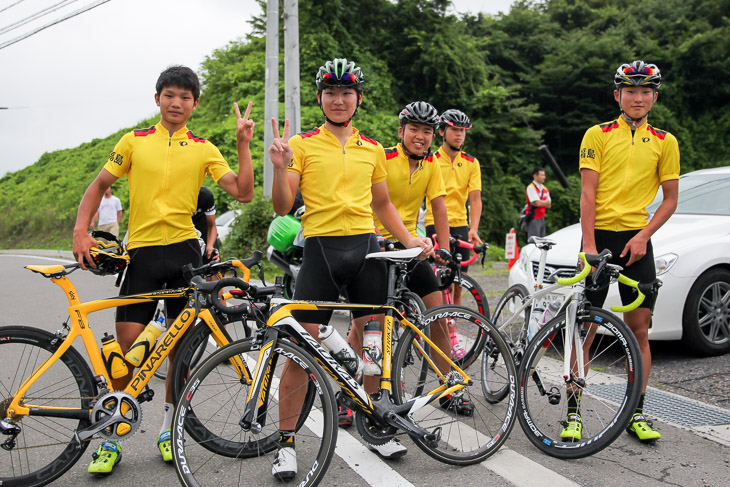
[(524, 262), (663, 263)]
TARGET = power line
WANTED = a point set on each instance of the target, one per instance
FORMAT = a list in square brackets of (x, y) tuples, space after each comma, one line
[(11, 5), (66, 17), (36, 15)]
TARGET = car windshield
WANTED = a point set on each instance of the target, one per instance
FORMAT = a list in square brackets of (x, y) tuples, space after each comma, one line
[(225, 218), (700, 194)]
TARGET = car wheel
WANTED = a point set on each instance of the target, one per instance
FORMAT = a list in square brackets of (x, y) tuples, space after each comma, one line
[(706, 317)]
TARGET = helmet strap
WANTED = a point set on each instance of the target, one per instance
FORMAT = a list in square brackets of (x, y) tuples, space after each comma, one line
[(410, 154), (338, 124)]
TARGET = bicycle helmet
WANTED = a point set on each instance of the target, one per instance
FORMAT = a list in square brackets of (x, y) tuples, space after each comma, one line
[(109, 258), (454, 118), (638, 73), (340, 72), (419, 112)]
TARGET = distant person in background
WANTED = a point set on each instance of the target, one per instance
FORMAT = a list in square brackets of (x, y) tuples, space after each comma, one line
[(109, 214), (538, 201), (204, 221)]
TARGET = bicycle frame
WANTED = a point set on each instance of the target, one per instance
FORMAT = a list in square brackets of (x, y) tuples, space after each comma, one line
[(282, 321), (80, 327)]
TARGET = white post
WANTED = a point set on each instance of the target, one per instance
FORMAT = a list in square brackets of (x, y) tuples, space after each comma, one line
[(271, 91), (291, 65)]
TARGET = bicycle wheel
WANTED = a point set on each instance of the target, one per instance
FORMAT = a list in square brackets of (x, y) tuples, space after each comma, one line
[(227, 455), (465, 438), (465, 344), (493, 368), (44, 448), (613, 381)]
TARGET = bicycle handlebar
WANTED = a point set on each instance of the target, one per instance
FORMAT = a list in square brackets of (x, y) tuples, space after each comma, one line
[(455, 242)]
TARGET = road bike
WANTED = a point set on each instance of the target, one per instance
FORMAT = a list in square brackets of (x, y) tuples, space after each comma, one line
[(241, 407), (583, 353), (52, 403)]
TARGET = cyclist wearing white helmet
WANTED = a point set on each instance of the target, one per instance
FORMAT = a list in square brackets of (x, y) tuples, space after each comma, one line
[(622, 164)]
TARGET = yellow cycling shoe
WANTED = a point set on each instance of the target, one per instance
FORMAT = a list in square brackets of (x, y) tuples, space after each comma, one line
[(105, 458), (573, 428), (642, 429), (165, 445)]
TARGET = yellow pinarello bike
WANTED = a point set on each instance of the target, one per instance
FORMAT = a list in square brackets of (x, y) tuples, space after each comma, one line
[(243, 407), (52, 403)]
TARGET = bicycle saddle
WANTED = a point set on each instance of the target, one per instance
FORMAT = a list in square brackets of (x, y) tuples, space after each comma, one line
[(397, 255)]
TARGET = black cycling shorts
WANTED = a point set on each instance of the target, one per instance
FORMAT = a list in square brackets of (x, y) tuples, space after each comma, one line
[(334, 266), (421, 278), (642, 270), (456, 232), (152, 268)]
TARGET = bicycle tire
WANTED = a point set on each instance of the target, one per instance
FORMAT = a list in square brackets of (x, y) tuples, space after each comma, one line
[(69, 383), (472, 297), (613, 384), (465, 440), (515, 336), (218, 397)]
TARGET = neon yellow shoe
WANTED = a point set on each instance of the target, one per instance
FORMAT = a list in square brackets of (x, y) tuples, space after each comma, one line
[(105, 458), (642, 429), (165, 445), (573, 428)]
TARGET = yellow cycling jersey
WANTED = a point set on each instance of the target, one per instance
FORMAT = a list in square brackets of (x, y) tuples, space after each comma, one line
[(631, 167), (336, 181), (165, 174), (407, 189), (461, 177)]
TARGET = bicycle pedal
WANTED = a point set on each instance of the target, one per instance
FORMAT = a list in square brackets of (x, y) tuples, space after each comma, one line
[(432, 439)]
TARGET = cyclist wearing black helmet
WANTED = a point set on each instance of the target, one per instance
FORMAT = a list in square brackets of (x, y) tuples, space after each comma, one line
[(622, 165), (341, 175), (463, 181)]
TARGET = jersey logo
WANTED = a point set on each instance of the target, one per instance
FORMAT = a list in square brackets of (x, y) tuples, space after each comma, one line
[(116, 158), (144, 132), (195, 137), (391, 153), (607, 127), (311, 133), (659, 134), (367, 139), (587, 153), (467, 157)]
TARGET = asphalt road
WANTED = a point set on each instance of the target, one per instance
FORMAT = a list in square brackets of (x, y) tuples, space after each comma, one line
[(686, 456)]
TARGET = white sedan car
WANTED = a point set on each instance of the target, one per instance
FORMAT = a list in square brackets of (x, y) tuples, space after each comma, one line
[(224, 222), (692, 258)]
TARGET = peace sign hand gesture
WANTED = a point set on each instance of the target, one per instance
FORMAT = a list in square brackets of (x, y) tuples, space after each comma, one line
[(280, 152), (244, 126)]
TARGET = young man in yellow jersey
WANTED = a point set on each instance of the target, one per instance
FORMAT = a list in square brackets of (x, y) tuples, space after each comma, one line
[(413, 176), (165, 165), (622, 165), (341, 175), (463, 181)]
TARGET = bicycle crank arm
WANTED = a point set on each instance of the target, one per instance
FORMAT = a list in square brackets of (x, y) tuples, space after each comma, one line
[(87, 433), (402, 424)]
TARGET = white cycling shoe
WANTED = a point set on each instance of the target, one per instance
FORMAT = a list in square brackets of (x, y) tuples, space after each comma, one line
[(392, 449), (285, 464)]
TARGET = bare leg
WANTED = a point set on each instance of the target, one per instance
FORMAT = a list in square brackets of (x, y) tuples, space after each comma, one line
[(638, 320), (291, 392)]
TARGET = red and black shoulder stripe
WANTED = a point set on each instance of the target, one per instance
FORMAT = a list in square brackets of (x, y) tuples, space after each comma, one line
[(467, 157), (144, 132), (607, 127), (194, 137), (368, 139), (659, 134), (391, 153), (311, 133)]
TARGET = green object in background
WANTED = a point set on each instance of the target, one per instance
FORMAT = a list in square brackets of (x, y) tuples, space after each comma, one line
[(282, 232)]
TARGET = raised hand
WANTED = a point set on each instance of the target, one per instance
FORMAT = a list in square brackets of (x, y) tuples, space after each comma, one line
[(280, 152), (244, 126)]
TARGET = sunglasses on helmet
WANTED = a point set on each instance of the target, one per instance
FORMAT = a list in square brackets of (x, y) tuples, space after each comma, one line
[(331, 79), (646, 70)]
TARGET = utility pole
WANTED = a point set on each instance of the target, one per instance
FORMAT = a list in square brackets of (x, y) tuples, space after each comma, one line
[(291, 65), (271, 92)]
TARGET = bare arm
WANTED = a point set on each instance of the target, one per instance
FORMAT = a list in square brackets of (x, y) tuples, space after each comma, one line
[(284, 188), (119, 216), (389, 217), (88, 207), (637, 245), (240, 185), (212, 235), (94, 219), (475, 214), (588, 184)]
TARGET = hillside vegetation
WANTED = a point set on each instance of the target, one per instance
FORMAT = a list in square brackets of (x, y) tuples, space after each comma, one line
[(540, 74)]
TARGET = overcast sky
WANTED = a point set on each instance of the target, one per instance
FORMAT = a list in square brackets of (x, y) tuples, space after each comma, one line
[(93, 74)]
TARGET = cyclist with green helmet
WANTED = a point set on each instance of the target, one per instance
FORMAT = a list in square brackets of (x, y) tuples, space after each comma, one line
[(622, 165), (341, 175)]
